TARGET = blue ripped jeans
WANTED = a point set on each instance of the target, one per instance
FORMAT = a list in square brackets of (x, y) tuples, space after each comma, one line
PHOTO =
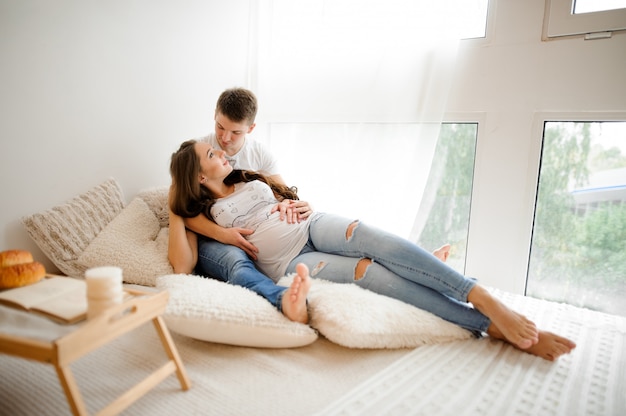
[(400, 269), (232, 265)]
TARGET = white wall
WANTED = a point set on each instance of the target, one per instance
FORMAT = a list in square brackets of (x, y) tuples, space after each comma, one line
[(97, 89), (94, 89)]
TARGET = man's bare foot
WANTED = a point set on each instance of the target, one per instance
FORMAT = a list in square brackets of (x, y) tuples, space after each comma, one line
[(443, 252), (294, 299), (506, 324), (551, 346)]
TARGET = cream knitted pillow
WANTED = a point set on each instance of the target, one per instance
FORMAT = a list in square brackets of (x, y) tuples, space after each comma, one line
[(134, 241), (156, 199)]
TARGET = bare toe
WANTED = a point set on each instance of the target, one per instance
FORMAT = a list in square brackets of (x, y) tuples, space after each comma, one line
[(518, 336), (294, 302), (443, 252), (506, 324), (551, 346)]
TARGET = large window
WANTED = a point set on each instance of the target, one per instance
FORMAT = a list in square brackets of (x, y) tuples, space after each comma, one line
[(407, 184), (578, 252), (450, 189), (353, 94), (592, 6), (475, 18), (594, 19)]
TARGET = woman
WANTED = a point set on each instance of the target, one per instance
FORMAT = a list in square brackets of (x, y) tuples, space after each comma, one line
[(340, 250)]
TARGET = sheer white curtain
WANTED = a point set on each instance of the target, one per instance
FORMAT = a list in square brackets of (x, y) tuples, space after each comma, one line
[(352, 94)]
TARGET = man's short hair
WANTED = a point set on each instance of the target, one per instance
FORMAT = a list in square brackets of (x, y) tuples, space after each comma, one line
[(238, 104)]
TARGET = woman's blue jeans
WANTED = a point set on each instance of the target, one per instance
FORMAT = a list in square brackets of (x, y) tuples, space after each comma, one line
[(400, 269), (232, 265)]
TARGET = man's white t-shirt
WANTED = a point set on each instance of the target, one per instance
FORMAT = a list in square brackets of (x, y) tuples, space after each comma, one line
[(253, 155)]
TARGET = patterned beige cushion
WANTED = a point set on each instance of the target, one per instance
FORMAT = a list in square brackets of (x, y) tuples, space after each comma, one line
[(63, 232)]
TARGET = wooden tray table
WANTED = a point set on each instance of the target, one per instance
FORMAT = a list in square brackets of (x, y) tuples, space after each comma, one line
[(91, 334)]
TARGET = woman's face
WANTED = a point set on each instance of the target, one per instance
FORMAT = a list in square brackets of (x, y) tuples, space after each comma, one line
[(213, 163)]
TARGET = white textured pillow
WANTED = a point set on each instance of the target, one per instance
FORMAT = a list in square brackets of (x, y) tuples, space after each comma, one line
[(357, 318), (210, 310), (63, 232), (133, 241)]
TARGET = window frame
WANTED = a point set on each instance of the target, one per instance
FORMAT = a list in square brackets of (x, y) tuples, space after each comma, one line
[(560, 21), (534, 164), (478, 120)]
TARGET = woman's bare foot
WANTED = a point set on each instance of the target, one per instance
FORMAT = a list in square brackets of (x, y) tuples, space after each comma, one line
[(443, 252), (506, 324), (294, 299), (551, 346)]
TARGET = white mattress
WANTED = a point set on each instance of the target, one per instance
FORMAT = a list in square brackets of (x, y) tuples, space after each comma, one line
[(487, 377), (473, 377)]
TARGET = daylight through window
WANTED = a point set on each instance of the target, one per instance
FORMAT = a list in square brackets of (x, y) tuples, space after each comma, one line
[(578, 251), (590, 6)]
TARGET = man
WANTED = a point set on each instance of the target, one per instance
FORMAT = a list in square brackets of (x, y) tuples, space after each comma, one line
[(223, 251)]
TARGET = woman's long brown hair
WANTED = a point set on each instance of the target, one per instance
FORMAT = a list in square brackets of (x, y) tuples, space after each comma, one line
[(189, 198)]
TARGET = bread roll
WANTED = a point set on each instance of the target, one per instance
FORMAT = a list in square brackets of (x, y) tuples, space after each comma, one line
[(21, 274), (18, 269), (13, 257)]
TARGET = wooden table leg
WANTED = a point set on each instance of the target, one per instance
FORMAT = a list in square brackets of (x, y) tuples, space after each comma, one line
[(68, 382), (172, 352)]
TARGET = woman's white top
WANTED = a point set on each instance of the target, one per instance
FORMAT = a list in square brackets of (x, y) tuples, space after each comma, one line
[(250, 207)]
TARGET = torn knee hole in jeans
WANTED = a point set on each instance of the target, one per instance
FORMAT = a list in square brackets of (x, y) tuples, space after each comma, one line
[(351, 228), (318, 268), (361, 268)]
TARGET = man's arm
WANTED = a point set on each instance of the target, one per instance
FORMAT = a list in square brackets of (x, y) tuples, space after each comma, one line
[(233, 236), (293, 211)]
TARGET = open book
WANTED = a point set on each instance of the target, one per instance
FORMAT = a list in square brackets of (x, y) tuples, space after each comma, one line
[(63, 299)]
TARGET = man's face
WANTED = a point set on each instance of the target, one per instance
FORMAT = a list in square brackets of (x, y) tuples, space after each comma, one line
[(230, 135)]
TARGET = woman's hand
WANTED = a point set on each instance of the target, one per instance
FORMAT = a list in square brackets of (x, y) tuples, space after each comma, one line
[(293, 211)]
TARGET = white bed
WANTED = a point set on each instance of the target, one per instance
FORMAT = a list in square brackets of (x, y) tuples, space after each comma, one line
[(471, 377), (324, 376), (487, 377)]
